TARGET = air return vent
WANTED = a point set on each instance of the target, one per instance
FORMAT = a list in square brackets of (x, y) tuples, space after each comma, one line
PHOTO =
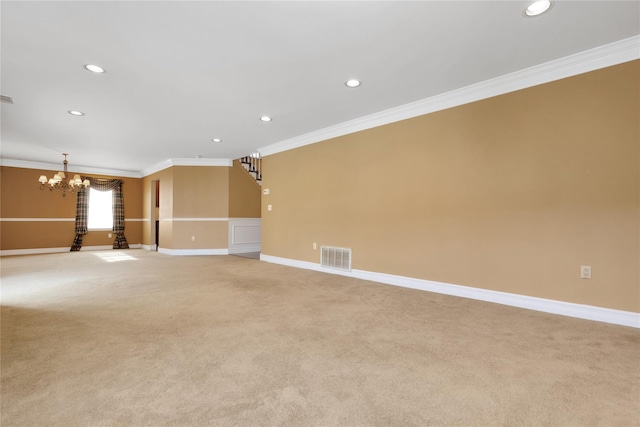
[(338, 258)]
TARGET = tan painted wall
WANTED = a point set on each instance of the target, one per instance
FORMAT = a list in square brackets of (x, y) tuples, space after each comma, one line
[(244, 193), (165, 211), (512, 193), (207, 234), (194, 201), (21, 197), (200, 192)]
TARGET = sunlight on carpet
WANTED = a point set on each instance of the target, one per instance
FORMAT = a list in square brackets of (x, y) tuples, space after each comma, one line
[(114, 256), (225, 340)]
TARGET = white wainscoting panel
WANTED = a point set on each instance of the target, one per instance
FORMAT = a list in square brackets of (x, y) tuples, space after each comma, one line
[(245, 235)]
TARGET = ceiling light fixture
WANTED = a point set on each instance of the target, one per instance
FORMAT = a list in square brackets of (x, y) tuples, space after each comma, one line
[(537, 8), (75, 113), (94, 68), (352, 83), (265, 118), (58, 183), (216, 140)]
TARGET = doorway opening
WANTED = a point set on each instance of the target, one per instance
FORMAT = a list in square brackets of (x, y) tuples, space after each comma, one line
[(154, 228)]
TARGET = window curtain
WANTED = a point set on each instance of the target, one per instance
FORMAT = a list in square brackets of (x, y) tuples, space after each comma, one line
[(82, 207)]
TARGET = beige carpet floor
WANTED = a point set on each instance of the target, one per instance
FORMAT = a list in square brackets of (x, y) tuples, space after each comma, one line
[(144, 339)]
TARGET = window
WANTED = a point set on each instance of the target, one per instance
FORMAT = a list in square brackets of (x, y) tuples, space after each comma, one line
[(100, 215)]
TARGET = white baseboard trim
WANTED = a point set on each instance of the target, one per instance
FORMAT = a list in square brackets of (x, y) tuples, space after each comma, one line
[(589, 312), (37, 251), (148, 247), (245, 248), (184, 252)]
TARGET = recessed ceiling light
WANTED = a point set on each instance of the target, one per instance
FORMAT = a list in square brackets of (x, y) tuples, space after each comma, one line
[(265, 118), (94, 68), (216, 140), (352, 83), (537, 8), (75, 113)]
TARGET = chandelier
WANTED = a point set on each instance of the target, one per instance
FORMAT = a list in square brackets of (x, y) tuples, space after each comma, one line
[(58, 181)]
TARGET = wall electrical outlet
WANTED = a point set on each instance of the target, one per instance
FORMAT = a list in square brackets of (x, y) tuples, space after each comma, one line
[(269, 207), (585, 272), (315, 246), (109, 235), (193, 238)]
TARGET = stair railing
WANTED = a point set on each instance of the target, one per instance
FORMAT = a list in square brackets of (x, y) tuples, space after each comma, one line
[(253, 164)]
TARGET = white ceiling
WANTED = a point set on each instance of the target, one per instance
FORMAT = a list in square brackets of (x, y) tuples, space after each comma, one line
[(181, 73)]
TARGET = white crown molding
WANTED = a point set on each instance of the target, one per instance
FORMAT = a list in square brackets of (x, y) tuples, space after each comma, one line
[(185, 162), (157, 167), (74, 168), (589, 312), (117, 172), (202, 162), (600, 57)]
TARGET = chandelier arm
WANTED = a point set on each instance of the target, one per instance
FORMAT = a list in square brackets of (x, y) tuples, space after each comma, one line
[(61, 182)]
